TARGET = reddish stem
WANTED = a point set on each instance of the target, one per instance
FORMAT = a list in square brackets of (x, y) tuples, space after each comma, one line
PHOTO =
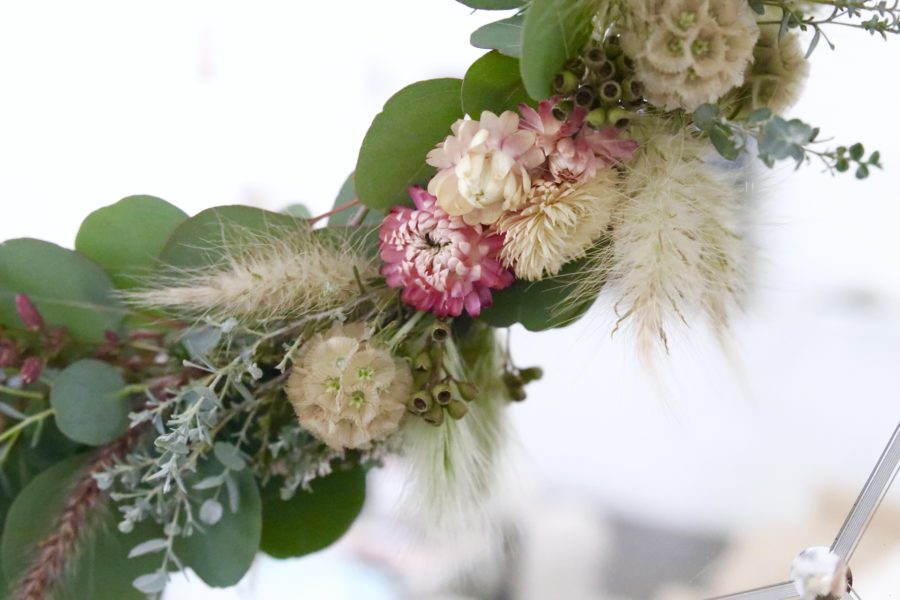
[(335, 210)]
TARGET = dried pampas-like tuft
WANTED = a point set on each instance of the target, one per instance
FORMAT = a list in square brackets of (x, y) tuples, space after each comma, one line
[(675, 250), (276, 275)]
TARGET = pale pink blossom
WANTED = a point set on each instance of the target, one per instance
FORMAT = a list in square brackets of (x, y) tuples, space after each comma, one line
[(483, 167), (443, 264)]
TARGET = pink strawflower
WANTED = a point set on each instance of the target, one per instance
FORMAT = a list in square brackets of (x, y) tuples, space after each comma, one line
[(574, 150), (443, 264)]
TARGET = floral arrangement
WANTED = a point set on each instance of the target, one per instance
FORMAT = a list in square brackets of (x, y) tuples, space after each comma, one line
[(185, 392)]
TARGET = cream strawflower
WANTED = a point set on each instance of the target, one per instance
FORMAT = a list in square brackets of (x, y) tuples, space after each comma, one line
[(559, 224), (347, 391), (484, 167), (777, 75), (688, 52)]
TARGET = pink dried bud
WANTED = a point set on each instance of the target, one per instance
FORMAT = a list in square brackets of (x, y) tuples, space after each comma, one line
[(31, 369), (29, 313), (112, 338), (8, 357)]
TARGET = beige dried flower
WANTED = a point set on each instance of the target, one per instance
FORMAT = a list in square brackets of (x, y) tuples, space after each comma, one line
[(777, 75), (348, 391), (689, 52), (559, 224)]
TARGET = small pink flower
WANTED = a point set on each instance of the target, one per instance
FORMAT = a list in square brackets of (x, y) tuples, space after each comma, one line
[(29, 313), (443, 264), (574, 150)]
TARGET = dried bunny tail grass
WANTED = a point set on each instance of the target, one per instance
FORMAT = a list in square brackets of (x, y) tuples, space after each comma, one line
[(275, 275), (454, 469), (675, 249)]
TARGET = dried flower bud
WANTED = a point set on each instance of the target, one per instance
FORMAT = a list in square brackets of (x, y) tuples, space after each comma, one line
[(457, 409), (421, 402), (435, 415), (31, 370), (29, 313), (441, 392), (440, 332)]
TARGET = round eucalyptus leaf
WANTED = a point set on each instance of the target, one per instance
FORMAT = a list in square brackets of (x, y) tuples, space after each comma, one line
[(504, 35), (539, 305), (100, 567), (87, 397), (392, 156), (554, 31), (202, 240), (493, 83), (126, 237), (311, 521), (222, 553), (297, 210), (68, 289)]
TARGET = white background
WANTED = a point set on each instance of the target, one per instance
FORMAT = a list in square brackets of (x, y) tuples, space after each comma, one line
[(216, 102)]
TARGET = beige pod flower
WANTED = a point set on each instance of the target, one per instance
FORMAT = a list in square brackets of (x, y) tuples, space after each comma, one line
[(348, 391), (688, 52)]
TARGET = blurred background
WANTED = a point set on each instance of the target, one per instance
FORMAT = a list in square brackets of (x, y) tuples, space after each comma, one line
[(706, 478)]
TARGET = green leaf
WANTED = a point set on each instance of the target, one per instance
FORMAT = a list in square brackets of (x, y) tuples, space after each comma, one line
[(89, 405), (720, 136), (757, 116), (504, 35), (540, 305), (311, 521), (705, 116), (222, 553), (392, 156), (201, 240), (126, 237), (493, 83), (68, 289), (346, 194), (229, 456), (758, 7), (492, 4), (554, 32), (857, 151), (297, 210), (862, 171), (100, 568)]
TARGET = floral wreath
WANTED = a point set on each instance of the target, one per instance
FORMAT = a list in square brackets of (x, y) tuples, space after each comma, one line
[(185, 392)]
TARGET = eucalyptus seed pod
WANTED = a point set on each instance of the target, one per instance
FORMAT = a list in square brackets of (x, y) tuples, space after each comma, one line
[(596, 118), (423, 362), (584, 96), (421, 402), (577, 67), (594, 58), (457, 409), (607, 70), (440, 332), (610, 91), (632, 90), (517, 394), (531, 374), (562, 110), (468, 390), (442, 393), (565, 83), (434, 415), (613, 48), (619, 117), (624, 65)]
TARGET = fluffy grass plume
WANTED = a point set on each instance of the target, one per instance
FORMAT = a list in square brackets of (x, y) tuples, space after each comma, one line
[(675, 251), (453, 469), (277, 275)]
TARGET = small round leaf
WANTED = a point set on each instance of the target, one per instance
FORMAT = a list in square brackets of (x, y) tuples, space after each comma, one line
[(493, 83), (505, 36), (126, 237), (88, 402)]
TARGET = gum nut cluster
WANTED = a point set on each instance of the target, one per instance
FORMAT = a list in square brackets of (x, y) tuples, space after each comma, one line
[(443, 264), (483, 167), (689, 52), (346, 390)]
